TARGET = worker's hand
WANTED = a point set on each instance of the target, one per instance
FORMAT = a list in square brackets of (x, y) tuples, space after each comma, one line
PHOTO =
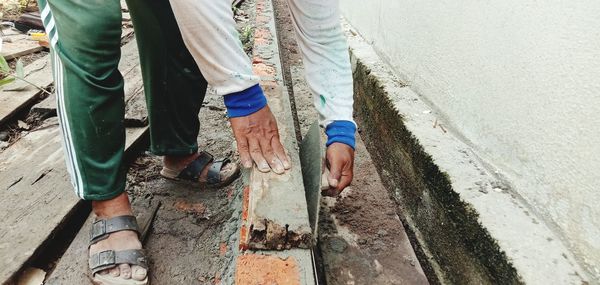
[(340, 162), (257, 139)]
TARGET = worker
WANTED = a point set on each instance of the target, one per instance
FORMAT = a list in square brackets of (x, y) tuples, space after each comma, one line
[(179, 53), (327, 68)]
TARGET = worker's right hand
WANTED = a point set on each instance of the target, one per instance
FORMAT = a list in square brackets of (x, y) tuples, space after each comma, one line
[(257, 138)]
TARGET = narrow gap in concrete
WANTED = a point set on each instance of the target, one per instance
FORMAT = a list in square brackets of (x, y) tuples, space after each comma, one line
[(425, 262), (319, 264), (285, 63)]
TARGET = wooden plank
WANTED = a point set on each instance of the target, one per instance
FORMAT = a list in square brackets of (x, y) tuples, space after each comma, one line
[(127, 31), (37, 190), (38, 72), (37, 194), (72, 268), (45, 108), (20, 45), (132, 74)]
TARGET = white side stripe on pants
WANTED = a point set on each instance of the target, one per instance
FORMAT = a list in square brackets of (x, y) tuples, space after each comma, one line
[(68, 146)]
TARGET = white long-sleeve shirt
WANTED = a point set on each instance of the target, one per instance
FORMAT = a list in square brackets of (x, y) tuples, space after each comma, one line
[(208, 30)]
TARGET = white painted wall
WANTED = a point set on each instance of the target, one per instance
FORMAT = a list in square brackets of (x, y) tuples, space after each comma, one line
[(520, 79)]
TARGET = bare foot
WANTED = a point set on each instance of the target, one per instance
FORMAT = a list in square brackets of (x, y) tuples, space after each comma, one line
[(122, 240), (178, 163)]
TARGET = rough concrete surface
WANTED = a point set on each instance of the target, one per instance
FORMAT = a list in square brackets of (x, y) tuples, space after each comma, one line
[(274, 214), (470, 225), (519, 80), (277, 214)]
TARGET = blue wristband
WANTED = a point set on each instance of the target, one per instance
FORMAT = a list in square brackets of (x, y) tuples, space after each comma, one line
[(245, 102), (341, 132)]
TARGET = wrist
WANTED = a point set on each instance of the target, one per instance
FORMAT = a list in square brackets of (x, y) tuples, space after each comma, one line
[(245, 102), (341, 132)]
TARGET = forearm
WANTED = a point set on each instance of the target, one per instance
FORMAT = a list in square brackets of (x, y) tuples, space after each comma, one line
[(208, 30), (327, 65)]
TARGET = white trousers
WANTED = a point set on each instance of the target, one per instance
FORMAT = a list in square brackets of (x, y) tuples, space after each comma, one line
[(208, 30)]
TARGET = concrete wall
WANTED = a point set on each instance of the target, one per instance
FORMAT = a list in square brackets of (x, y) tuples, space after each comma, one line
[(520, 80)]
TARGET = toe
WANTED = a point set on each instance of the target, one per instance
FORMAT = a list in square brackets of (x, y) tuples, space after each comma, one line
[(138, 272), (114, 271), (125, 271), (228, 169)]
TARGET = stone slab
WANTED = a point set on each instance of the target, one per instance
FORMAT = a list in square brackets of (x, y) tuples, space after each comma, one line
[(277, 216)]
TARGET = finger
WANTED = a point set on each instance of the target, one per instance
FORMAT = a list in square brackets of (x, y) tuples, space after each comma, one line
[(269, 155), (280, 152), (244, 151), (344, 181), (257, 156), (335, 173), (324, 180)]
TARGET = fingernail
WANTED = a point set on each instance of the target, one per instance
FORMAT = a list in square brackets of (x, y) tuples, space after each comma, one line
[(264, 166), (247, 164), (286, 164), (333, 183), (278, 169)]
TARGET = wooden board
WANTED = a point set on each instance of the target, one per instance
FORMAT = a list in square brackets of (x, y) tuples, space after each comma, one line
[(37, 190), (20, 45), (38, 72), (132, 74), (72, 268)]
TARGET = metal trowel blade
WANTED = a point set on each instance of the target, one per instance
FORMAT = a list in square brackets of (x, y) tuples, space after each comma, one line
[(311, 157)]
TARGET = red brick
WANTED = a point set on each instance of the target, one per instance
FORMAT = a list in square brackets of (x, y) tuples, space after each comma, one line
[(257, 269)]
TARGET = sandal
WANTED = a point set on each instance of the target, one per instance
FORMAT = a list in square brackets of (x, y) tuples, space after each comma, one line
[(191, 173), (101, 229)]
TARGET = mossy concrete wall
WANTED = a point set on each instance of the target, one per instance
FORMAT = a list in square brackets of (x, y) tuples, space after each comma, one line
[(462, 249), (519, 81), (470, 226)]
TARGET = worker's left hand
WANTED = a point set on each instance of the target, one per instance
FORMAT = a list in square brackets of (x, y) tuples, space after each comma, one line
[(340, 162)]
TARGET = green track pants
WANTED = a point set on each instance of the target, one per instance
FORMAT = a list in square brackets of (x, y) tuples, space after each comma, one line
[(85, 37)]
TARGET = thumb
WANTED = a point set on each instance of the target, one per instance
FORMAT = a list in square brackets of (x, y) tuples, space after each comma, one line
[(335, 174)]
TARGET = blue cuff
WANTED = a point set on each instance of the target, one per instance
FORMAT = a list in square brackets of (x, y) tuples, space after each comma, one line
[(342, 132), (246, 102)]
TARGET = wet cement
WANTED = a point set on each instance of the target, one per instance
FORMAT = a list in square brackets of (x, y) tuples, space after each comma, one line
[(194, 238)]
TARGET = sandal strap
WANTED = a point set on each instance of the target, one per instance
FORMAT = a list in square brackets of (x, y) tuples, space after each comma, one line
[(110, 258), (214, 172), (102, 228), (192, 171)]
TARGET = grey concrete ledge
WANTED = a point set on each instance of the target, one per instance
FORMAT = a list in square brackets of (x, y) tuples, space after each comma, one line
[(471, 227)]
